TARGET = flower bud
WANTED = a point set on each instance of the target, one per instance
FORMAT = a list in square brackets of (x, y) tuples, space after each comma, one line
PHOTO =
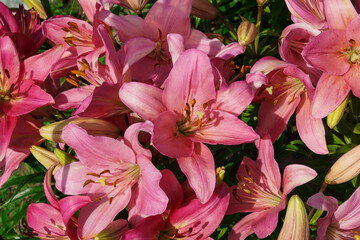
[(345, 168), (246, 33), (136, 5), (220, 173), (296, 224), (93, 126), (63, 157), (113, 231), (45, 157), (204, 9), (39, 8), (334, 118)]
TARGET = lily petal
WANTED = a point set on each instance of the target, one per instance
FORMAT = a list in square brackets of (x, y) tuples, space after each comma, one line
[(296, 175)]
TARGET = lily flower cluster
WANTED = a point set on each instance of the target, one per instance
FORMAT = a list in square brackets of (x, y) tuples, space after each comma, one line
[(134, 96)]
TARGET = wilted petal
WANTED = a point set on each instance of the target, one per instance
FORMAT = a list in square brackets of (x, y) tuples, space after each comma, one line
[(199, 169)]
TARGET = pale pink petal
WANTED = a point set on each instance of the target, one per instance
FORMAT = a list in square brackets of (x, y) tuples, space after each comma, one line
[(9, 63), (132, 140), (191, 78), (231, 50), (235, 98), (143, 99), (217, 130), (325, 203), (295, 175), (200, 41), (256, 80), (339, 13), (107, 151), (166, 138), (11, 161), (29, 98), (45, 219), (135, 49), (352, 30), (7, 125), (348, 213), (324, 52), (72, 98), (244, 227), (199, 169), (268, 64), (45, 60), (311, 130), (176, 45), (171, 16), (49, 193), (352, 79), (151, 199), (89, 8), (197, 220), (97, 215), (127, 27), (329, 94)]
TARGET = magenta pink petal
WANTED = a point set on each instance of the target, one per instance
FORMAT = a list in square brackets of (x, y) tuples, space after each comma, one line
[(147, 229), (339, 13), (89, 8), (311, 130), (70, 205), (231, 50), (7, 125), (127, 27), (199, 169), (324, 52), (329, 94), (217, 131), (151, 199), (191, 78), (49, 193), (27, 98), (198, 40), (131, 137), (143, 99), (352, 30), (244, 227), (171, 16), (97, 215), (352, 79), (8, 19), (171, 186), (176, 45), (11, 161), (235, 98), (45, 60), (107, 152), (9, 63), (72, 98), (295, 175), (166, 138)]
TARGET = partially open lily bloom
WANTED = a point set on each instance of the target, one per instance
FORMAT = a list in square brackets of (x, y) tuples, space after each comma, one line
[(258, 191)]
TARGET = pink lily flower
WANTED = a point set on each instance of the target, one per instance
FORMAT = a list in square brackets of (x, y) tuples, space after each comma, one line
[(190, 112), (19, 90), (340, 222), (258, 192), (108, 174), (336, 53), (288, 89), (188, 219), (148, 42)]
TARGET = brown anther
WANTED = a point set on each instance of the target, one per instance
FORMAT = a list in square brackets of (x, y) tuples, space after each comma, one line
[(78, 72), (84, 65), (111, 199), (160, 34), (248, 170), (70, 43), (193, 102), (248, 179), (105, 171), (205, 105), (209, 119), (190, 230), (98, 199), (199, 123), (236, 196), (114, 183), (75, 29), (7, 73), (65, 29), (352, 41), (88, 182), (93, 174), (72, 80), (72, 24), (12, 87)]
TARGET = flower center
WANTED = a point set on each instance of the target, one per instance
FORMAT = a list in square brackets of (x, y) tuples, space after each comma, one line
[(173, 234), (314, 7), (352, 53), (75, 37)]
